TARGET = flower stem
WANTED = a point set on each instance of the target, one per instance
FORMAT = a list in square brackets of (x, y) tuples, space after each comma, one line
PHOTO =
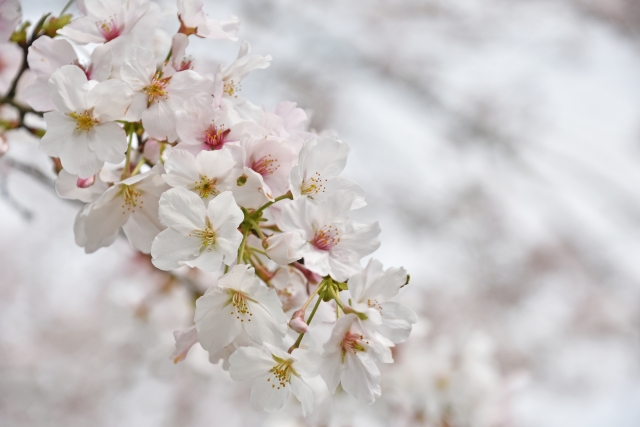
[(127, 162), (277, 199), (138, 166), (242, 245)]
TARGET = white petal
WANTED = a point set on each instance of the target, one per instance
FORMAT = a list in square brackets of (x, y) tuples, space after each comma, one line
[(250, 362), (111, 99), (181, 169), (223, 212), (68, 89), (216, 324), (170, 247), (303, 393), (268, 396), (108, 141), (183, 210), (60, 128)]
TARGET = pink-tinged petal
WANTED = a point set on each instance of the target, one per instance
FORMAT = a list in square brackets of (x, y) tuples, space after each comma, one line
[(46, 55), (111, 100), (184, 341), (101, 63), (83, 30), (224, 212), (216, 324), (159, 120), (108, 141), (60, 129), (68, 89), (181, 169), (171, 248), (247, 186), (38, 97), (182, 210), (139, 68), (187, 84)]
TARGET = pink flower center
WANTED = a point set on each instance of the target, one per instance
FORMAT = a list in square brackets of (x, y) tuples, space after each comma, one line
[(266, 165), (214, 137), (326, 238), (86, 182), (109, 29), (351, 343)]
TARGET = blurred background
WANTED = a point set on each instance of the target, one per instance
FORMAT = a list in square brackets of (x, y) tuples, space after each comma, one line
[(499, 145)]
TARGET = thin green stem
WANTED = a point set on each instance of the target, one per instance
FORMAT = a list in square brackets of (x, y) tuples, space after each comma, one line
[(242, 245), (266, 205), (127, 162), (138, 166), (313, 312)]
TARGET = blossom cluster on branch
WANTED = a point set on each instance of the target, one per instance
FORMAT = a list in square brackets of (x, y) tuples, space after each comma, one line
[(193, 173)]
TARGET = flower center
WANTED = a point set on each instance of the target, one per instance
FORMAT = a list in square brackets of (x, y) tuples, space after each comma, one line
[(352, 343), (208, 236), (326, 238), (84, 121), (281, 373), (265, 165), (130, 196), (157, 88), (109, 29), (313, 185), (206, 186), (231, 89), (240, 307), (214, 137)]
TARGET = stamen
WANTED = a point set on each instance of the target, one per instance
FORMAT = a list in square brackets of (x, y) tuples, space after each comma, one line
[(326, 238), (313, 185), (130, 195), (214, 138), (109, 29), (156, 89), (281, 373), (241, 309), (352, 343), (206, 187), (265, 165), (208, 236), (85, 120)]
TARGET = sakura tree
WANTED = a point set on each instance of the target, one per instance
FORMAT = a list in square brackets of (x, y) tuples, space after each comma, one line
[(169, 153)]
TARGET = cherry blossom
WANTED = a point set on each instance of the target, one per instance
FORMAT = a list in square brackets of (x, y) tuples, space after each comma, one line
[(131, 204), (206, 175), (198, 235), (73, 187), (317, 174), (193, 20), (83, 132), (229, 78), (240, 303), (275, 374), (9, 18), (334, 244), (157, 98)]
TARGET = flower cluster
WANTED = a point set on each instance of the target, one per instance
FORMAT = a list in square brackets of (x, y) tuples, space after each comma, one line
[(197, 176)]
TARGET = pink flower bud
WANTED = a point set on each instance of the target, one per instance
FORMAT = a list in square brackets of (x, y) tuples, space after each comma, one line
[(86, 182), (297, 322)]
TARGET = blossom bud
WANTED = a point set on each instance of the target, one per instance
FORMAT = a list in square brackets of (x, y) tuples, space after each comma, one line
[(151, 150), (297, 322), (86, 182)]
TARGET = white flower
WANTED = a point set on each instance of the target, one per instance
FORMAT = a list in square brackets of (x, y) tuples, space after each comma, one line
[(10, 63), (9, 18), (156, 98), (106, 20), (269, 158), (334, 244), (201, 126), (275, 373), (286, 120), (371, 289), (206, 175), (46, 55), (229, 78), (350, 359), (87, 190), (284, 248), (193, 20), (197, 235), (131, 204), (317, 174), (240, 303), (178, 62), (83, 133)]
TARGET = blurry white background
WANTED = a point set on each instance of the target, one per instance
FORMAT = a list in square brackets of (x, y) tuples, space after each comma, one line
[(499, 145)]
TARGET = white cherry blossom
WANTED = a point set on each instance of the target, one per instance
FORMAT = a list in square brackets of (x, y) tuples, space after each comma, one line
[(229, 78), (46, 55), (207, 175), (275, 374), (285, 248), (106, 20), (83, 132), (240, 303), (334, 244), (371, 291), (350, 358), (131, 204), (193, 20), (198, 235), (317, 174), (156, 98)]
